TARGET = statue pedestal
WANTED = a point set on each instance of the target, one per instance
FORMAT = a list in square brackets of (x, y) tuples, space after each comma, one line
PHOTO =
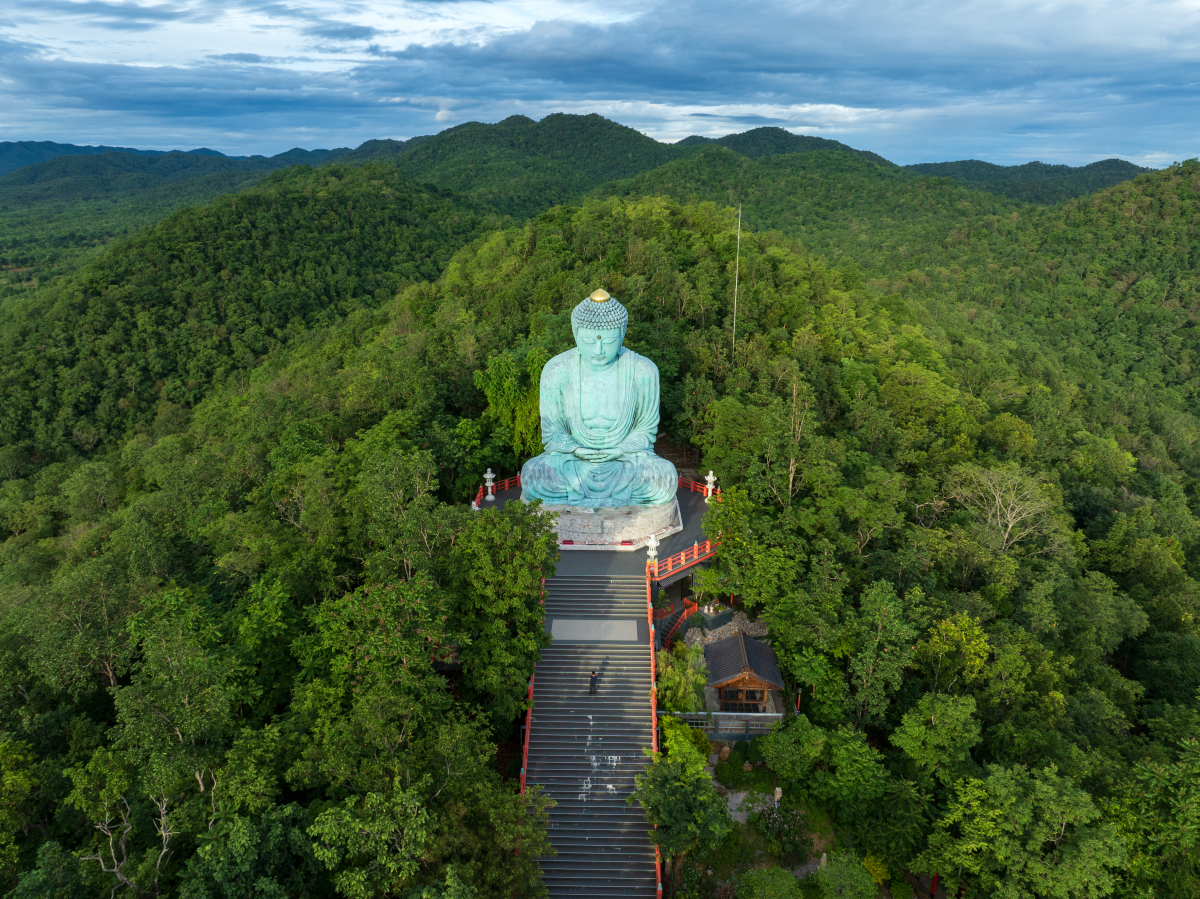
[(625, 528)]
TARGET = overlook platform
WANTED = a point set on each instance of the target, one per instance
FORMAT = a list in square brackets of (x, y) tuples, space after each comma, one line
[(597, 563)]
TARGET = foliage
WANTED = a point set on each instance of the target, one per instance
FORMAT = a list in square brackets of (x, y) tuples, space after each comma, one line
[(681, 805), (786, 830), (1022, 833), (682, 678), (844, 877), (1034, 182), (56, 211), (769, 883), (958, 453), (154, 323)]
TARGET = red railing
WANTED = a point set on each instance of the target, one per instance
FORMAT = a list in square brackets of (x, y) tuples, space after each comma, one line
[(506, 484), (689, 609), (653, 721), (529, 710), (658, 568), (697, 486), (515, 481), (528, 728)]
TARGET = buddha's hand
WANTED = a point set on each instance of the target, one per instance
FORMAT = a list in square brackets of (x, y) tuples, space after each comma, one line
[(597, 455)]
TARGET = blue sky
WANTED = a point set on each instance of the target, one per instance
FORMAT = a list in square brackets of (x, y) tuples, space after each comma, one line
[(914, 80)]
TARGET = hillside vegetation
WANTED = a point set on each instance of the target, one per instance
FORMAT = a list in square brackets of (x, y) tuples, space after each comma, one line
[(296, 552), (153, 323), (254, 642), (16, 154), (1034, 182), (1103, 288), (55, 214)]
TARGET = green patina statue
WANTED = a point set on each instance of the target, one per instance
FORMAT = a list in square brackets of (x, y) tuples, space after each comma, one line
[(599, 408)]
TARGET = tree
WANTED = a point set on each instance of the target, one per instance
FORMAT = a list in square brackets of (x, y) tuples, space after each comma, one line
[(769, 883), (682, 807), (885, 649), (374, 843), (682, 677), (1024, 834), (844, 877), (17, 783), (497, 567), (1158, 811), (374, 690), (938, 733), (1015, 508)]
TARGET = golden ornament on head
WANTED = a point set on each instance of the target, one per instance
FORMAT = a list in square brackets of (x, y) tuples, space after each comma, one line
[(600, 296)]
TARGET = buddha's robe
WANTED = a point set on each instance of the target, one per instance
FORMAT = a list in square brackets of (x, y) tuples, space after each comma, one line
[(629, 425)]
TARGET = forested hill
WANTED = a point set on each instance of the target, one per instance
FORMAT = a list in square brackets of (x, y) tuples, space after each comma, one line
[(522, 166), (1034, 182), (976, 558), (1104, 286), (15, 154), (53, 213), (152, 323), (772, 141)]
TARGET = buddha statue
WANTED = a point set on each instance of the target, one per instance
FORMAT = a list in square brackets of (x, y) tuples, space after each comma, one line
[(599, 410)]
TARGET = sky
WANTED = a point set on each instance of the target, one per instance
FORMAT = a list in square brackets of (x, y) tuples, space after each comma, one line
[(913, 80)]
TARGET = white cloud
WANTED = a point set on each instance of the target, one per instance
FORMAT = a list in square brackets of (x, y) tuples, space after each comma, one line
[(1008, 81)]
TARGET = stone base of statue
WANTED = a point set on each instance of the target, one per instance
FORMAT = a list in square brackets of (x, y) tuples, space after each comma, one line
[(625, 528)]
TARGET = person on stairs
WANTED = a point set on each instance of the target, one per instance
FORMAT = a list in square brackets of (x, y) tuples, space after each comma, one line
[(593, 681)]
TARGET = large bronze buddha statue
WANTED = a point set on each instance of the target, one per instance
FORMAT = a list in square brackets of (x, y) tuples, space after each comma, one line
[(599, 408)]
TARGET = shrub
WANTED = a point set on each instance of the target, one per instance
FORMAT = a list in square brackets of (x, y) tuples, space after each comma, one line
[(682, 677), (786, 830), (876, 868), (742, 748), (729, 772), (900, 889), (754, 752), (769, 883), (846, 878)]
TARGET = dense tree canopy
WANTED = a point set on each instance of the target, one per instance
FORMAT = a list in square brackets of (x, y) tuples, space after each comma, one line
[(237, 554)]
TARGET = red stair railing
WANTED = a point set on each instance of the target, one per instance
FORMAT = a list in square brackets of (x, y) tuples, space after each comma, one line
[(506, 484)]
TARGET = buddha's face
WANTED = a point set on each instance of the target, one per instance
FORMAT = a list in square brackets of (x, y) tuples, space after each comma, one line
[(599, 346)]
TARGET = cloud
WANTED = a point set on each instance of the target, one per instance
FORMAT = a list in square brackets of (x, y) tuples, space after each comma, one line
[(338, 31), (122, 16), (1006, 80)]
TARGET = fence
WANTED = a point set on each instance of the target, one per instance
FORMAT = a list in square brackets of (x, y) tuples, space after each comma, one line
[(729, 725), (506, 484)]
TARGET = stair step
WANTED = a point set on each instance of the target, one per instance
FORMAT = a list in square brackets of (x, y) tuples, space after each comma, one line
[(585, 751)]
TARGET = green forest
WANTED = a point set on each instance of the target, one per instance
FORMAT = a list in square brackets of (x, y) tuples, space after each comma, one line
[(959, 447)]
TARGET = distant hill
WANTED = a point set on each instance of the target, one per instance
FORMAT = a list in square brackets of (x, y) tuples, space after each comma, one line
[(1034, 182), (771, 141), (522, 166), (1113, 277), (17, 154), (209, 291), (21, 153), (53, 213)]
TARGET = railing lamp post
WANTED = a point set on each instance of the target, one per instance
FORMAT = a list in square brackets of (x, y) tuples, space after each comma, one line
[(490, 477)]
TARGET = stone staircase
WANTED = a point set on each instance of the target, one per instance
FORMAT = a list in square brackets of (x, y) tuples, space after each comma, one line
[(585, 750)]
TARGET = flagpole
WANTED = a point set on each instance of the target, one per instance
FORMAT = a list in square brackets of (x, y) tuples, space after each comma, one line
[(736, 271)]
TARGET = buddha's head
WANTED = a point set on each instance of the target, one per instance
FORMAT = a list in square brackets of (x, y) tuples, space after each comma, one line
[(599, 324)]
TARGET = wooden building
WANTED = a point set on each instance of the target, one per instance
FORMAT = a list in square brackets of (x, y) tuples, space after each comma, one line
[(743, 671)]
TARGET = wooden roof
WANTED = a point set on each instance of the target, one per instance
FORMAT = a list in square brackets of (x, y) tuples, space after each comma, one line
[(740, 655)]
